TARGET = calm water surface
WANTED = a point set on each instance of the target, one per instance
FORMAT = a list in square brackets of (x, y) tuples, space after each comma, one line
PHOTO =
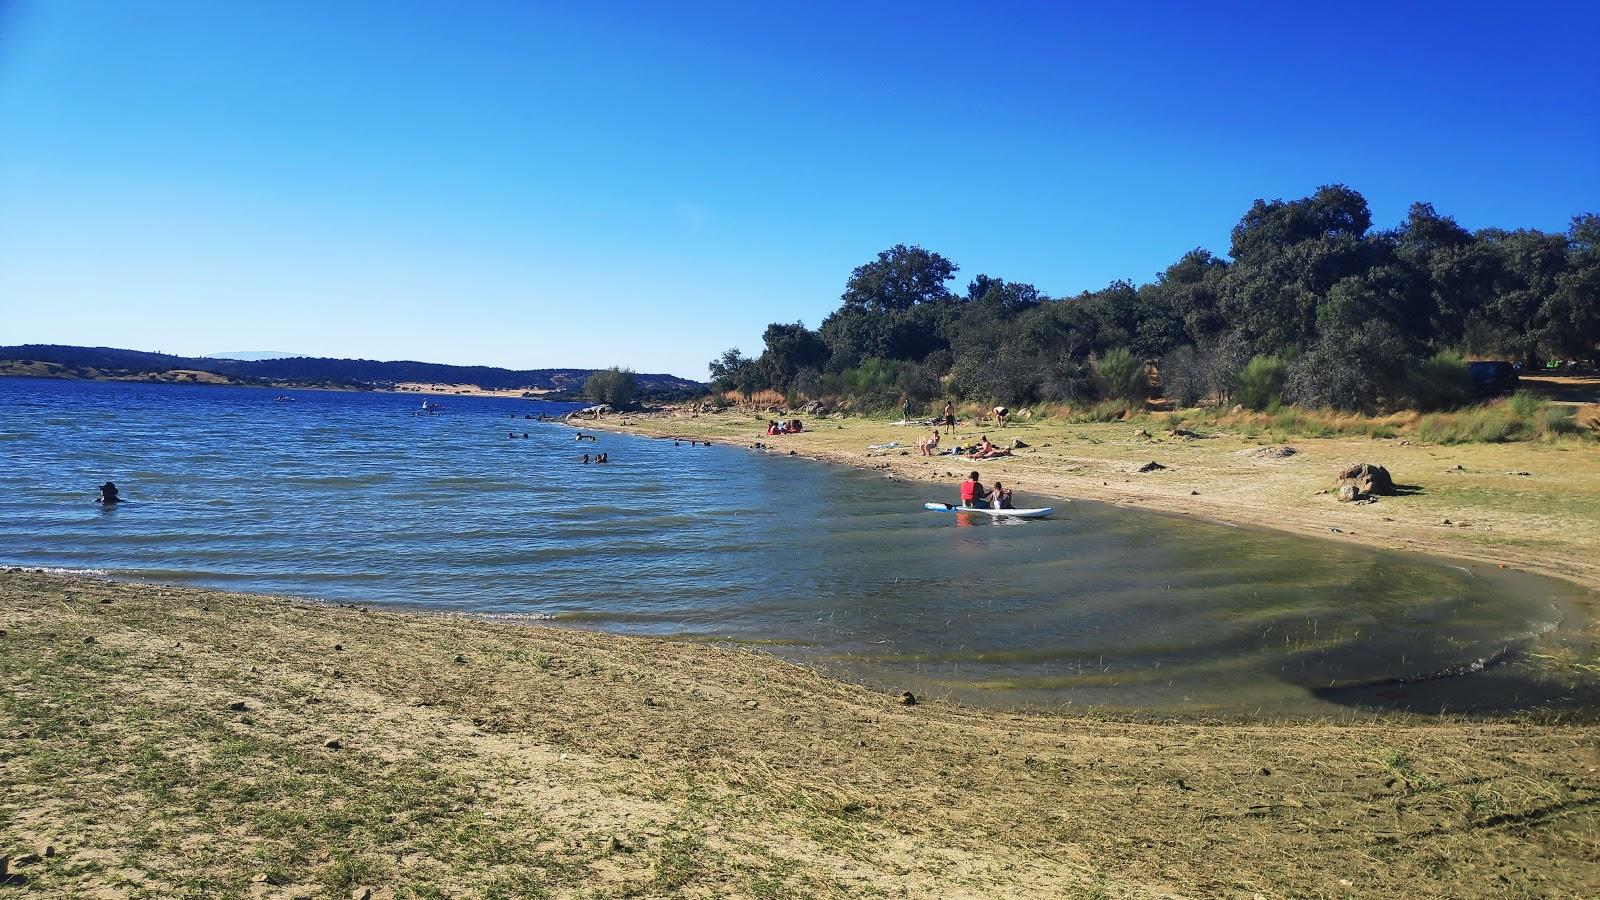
[(355, 497)]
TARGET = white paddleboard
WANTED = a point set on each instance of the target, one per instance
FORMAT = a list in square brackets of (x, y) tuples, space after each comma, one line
[(1040, 513)]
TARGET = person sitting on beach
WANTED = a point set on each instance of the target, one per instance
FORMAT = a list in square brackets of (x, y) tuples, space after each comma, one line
[(929, 444), (795, 426), (108, 494), (999, 498), (772, 427), (971, 490)]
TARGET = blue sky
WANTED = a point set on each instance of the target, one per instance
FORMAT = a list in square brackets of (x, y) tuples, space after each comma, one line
[(535, 185)]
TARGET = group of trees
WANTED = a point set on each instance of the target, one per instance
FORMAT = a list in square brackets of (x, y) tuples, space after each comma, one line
[(616, 386), (1341, 314)]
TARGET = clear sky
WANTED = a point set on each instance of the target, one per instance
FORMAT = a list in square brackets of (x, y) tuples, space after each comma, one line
[(579, 184)]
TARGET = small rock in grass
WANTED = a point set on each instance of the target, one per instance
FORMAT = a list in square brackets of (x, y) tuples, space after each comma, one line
[(337, 673), (238, 706), (461, 660), (106, 600), (333, 744), (908, 699), (338, 648), (90, 640), (361, 893), (49, 850), (649, 701)]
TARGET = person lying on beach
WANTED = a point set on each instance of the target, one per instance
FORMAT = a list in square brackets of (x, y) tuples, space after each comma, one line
[(971, 490), (987, 450), (999, 498)]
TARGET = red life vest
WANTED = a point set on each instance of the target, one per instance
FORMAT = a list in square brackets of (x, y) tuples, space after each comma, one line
[(969, 490)]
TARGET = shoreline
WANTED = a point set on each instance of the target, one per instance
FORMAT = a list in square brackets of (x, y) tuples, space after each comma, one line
[(1062, 475), (468, 755)]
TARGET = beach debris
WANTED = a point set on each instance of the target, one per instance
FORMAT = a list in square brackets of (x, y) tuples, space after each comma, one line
[(460, 660), (1458, 467), (1139, 434), (1523, 474), (333, 744), (1368, 478), (361, 893), (106, 600), (89, 640), (1194, 493), (337, 673), (238, 706), (752, 704), (338, 648), (1269, 452), (7, 877), (1151, 466), (649, 701), (908, 699)]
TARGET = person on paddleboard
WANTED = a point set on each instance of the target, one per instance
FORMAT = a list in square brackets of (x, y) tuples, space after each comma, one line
[(972, 490), (1000, 497)]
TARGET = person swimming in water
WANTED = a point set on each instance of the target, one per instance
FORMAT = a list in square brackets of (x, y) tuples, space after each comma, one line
[(108, 494)]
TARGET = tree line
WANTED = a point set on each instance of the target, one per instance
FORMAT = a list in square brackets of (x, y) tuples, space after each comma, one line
[(1327, 310)]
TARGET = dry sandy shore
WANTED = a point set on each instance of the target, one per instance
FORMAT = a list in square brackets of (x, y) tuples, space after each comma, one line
[(162, 742)]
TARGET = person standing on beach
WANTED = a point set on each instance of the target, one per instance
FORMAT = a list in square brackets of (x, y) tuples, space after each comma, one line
[(950, 416)]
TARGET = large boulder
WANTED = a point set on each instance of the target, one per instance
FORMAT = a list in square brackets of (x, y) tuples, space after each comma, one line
[(1368, 479)]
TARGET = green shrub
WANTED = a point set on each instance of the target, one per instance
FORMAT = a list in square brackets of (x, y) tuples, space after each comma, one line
[(1442, 382), (1525, 404), (1104, 411), (1261, 382), (1554, 420), (1122, 376)]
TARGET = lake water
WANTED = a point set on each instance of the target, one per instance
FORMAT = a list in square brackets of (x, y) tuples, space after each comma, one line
[(356, 497)]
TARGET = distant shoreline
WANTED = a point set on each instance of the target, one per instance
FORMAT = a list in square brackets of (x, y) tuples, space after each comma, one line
[(211, 379)]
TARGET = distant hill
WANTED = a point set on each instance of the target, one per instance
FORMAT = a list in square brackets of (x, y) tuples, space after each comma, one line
[(253, 354), (55, 360)]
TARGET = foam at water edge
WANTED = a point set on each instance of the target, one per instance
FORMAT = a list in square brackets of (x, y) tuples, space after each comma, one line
[(56, 570)]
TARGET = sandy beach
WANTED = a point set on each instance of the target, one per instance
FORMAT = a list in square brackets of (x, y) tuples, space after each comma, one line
[(170, 742)]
